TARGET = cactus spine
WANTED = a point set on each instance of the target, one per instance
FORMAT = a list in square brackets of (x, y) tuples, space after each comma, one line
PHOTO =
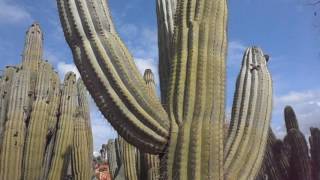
[(187, 125), (35, 112)]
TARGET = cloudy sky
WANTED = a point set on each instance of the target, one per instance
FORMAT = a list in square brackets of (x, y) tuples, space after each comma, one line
[(287, 30)]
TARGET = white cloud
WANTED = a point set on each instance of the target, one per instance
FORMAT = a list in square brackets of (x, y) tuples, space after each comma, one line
[(306, 105), (64, 68), (235, 53), (12, 13)]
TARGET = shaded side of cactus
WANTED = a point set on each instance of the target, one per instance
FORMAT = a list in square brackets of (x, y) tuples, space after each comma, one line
[(315, 152), (37, 127), (290, 118), (250, 119), (112, 157), (64, 136), (5, 88), (299, 159), (298, 151), (53, 113), (15, 129), (150, 166)]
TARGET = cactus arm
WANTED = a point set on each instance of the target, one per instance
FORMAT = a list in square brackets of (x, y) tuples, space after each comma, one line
[(85, 112), (37, 127), (290, 118), (81, 167), (100, 54), (64, 136), (250, 121), (149, 80), (165, 18)]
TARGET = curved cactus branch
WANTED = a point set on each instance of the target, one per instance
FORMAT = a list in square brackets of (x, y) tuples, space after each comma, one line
[(118, 89), (250, 120)]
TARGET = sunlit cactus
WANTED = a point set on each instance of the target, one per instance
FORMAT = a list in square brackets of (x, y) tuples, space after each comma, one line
[(187, 126), (36, 114)]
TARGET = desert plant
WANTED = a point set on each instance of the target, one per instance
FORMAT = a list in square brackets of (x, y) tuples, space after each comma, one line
[(187, 125), (35, 115)]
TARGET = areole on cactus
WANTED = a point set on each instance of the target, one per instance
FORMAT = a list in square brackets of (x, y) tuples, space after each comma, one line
[(187, 126)]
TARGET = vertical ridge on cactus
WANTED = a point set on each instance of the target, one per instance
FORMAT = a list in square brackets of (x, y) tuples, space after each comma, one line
[(315, 152), (188, 131), (62, 148), (13, 139), (35, 115)]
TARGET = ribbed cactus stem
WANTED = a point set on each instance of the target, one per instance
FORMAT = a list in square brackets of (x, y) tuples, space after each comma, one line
[(129, 159), (299, 159), (112, 158), (4, 98), (81, 166), (315, 152), (37, 128), (166, 10), (81, 155), (124, 88), (12, 153), (64, 137), (151, 166), (149, 79), (290, 118), (85, 112), (251, 114)]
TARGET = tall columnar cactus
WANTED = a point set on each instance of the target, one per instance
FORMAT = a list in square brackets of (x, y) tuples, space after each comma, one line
[(37, 127), (115, 160), (6, 81), (315, 153), (34, 118), (112, 157), (290, 159), (150, 166), (15, 130), (187, 125), (64, 137), (129, 159), (298, 148)]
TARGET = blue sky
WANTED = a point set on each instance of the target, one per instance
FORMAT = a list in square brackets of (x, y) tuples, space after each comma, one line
[(287, 30)]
